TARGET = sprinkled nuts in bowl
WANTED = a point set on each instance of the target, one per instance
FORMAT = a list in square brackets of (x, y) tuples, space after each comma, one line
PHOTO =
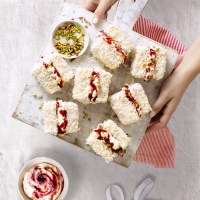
[(70, 39)]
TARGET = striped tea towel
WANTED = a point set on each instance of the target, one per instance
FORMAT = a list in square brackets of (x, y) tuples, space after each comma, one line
[(158, 147)]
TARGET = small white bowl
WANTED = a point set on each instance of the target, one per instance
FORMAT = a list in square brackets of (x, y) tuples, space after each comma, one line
[(86, 41), (34, 162)]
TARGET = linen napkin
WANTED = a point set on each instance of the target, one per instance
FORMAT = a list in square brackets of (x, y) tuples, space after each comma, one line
[(158, 147)]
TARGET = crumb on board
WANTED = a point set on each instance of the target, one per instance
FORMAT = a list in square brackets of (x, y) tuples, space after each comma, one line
[(41, 105), (85, 21), (91, 54), (107, 115), (114, 116), (85, 115), (112, 71), (108, 70), (90, 130), (35, 95)]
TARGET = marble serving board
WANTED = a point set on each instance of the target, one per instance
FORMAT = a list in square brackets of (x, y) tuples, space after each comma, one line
[(29, 108)]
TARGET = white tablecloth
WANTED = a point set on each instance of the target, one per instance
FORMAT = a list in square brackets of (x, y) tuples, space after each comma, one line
[(24, 27)]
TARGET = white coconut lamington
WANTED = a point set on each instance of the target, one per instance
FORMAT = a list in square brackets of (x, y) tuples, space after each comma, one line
[(112, 47), (60, 118), (130, 104), (149, 63), (108, 140), (52, 72), (91, 85)]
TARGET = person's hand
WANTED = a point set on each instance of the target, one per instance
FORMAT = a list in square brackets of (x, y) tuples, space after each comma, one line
[(170, 95), (174, 87), (99, 7)]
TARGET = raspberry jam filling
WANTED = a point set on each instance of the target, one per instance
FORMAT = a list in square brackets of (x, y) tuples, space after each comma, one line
[(114, 44), (130, 97), (106, 137), (94, 85), (62, 119), (47, 181), (151, 65), (56, 72)]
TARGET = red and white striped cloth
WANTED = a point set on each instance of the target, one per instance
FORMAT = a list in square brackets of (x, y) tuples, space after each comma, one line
[(158, 147)]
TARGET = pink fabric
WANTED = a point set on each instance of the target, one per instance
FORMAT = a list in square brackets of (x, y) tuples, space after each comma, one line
[(158, 147)]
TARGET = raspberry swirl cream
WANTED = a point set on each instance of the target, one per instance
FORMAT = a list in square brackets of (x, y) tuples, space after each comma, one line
[(109, 140), (129, 92), (43, 181), (109, 40), (62, 119), (51, 68), (151, 65), (94, 86)]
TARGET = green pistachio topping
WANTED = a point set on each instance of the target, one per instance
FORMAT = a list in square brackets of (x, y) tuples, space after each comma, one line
[(69, 39)]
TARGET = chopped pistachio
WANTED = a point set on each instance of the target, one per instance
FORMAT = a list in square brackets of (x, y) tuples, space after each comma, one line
[(85, 115), (61, 136), (100, 87), (111, 71), (41, 105), (57, 37), (90, 130), (107, 115), (68, 32), (34, 94)]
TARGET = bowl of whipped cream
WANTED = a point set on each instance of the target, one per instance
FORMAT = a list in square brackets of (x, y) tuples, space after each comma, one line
[(43, 178)]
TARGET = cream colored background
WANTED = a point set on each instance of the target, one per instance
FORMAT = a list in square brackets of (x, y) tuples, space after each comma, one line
[(24, 27)]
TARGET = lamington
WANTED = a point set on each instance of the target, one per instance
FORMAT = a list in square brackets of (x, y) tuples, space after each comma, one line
[(149, 63), (60, 118), (52, 72), (108, 140), (112, 47), (91, 85), (130, 104)]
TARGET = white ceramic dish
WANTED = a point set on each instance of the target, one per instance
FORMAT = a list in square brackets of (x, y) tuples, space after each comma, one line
[(38, 160), (86, 41)]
